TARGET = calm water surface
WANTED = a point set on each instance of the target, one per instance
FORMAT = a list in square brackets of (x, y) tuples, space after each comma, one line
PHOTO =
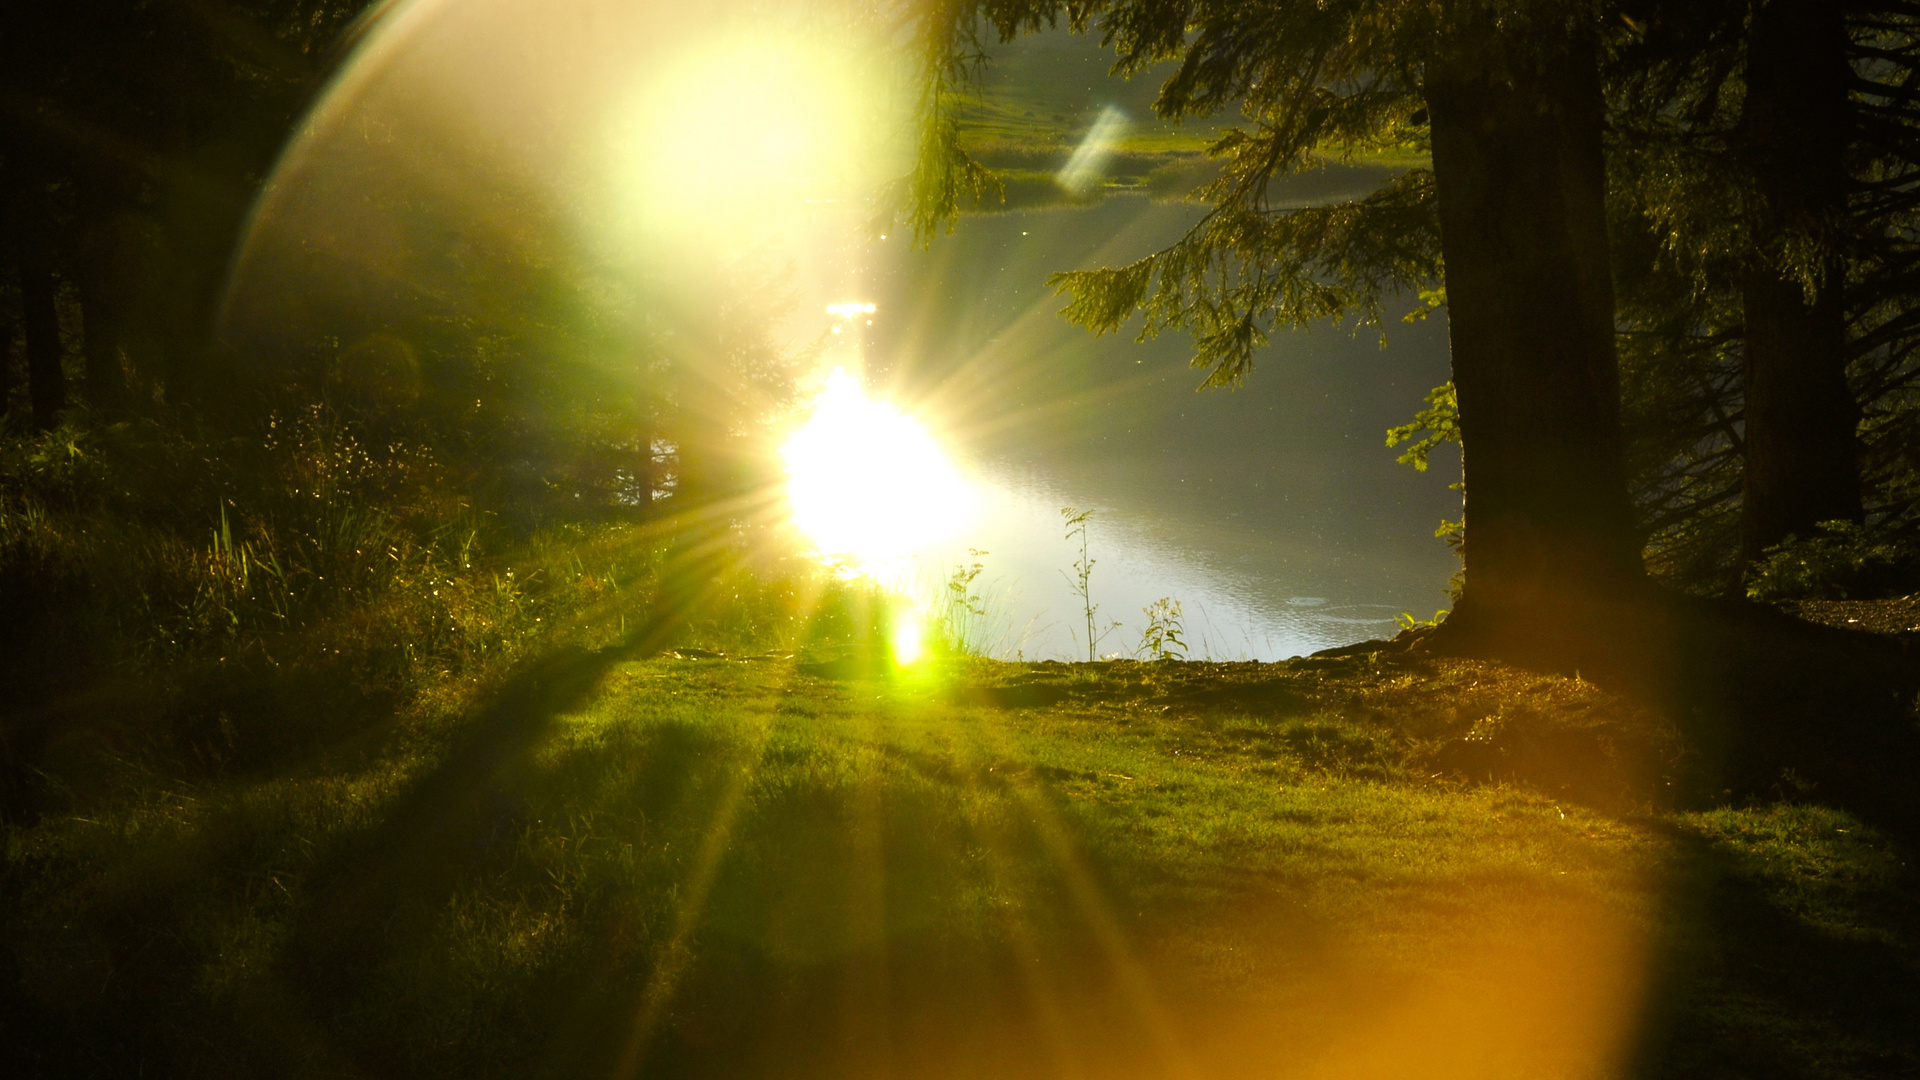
[(1273, 513)]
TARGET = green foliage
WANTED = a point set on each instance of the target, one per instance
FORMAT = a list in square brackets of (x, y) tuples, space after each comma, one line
[(1431, 300), (1408, 622), (1314, 84), (1165, 635), (1244, 271), (1845, 561), (130, 549), (852, 614), (1441, 422)]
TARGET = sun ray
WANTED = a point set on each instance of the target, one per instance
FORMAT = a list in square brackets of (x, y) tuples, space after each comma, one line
[(1094, 908), (674, 958), (1044, 993)]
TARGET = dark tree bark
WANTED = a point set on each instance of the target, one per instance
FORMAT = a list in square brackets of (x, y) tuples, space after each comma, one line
[(1518, 164), (6, 365), (1553, 572), (46, 383), (106, 374), (110, 267), (1802, 461)]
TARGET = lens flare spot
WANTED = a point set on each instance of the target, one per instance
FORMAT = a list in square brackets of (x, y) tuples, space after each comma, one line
[(908, 646), (738, 132), (868, 483), (1084, 169)]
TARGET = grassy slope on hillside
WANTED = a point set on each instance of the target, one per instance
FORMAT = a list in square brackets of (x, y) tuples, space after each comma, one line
[(708, 868)]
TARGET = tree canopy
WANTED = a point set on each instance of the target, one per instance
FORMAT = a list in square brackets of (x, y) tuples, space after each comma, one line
[(1758, 168)]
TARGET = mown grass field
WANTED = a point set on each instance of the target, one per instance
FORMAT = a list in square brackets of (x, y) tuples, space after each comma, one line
[(607, 865)]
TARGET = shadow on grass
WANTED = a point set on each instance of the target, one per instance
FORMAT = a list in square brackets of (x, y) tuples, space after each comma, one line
[(691, 898), (1771, 706), (128, 1002), (122, 991), (1744, 986)]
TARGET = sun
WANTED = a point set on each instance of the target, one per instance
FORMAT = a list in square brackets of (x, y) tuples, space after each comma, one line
[(868, 483)]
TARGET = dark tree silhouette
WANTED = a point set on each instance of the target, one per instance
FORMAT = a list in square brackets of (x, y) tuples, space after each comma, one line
[(1764, 157), (135, 138), (1802, 462)]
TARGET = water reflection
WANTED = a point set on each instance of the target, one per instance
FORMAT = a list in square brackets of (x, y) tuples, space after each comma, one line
[(1274, 514), (1033, 613)]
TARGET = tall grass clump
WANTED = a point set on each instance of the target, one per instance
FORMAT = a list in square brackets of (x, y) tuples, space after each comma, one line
[(970, 616)]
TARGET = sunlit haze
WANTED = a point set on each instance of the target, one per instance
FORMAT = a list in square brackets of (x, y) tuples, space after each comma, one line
[(627, 193)]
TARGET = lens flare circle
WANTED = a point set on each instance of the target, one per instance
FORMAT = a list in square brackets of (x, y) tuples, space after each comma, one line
[(738, 132), (867, 482)]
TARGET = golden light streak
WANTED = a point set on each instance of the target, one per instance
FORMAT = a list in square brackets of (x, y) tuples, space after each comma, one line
[(675, 957), (1096, 910)]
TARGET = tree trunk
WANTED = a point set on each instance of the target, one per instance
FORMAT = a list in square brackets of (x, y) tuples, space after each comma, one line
[(106, 384), (6, 366), (1521, 180), (111, 264), (46, 383), (1802, 461)]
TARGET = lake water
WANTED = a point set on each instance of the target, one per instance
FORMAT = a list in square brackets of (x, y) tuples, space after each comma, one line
[(1273, 513)]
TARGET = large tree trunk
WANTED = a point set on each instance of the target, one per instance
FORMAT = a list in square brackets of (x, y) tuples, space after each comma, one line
[(113, 260), (46, 382), (1802, 462), (6, 365), (1517, 159), (106, 383)]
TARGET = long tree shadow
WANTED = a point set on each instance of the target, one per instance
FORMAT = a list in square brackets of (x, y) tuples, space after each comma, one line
[(434, 831), (1769, 704), (132, 962), (389, 889), (1743, 986)]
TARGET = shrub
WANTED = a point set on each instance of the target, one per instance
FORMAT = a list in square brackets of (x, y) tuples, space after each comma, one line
[(1844, 561)]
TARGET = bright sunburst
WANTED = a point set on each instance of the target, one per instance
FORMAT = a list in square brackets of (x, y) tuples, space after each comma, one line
[(869, 483)]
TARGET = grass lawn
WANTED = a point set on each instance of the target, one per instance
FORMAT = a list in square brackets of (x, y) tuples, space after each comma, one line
[(608, 866)]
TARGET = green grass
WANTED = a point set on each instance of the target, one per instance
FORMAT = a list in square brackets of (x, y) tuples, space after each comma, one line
[(605, 865)]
